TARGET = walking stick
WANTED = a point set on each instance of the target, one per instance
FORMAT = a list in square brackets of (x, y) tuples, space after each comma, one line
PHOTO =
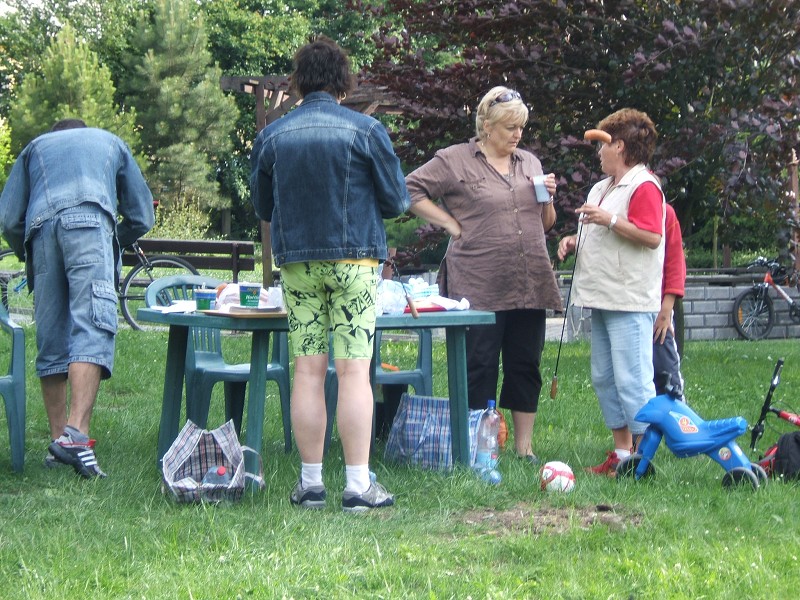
[(554, 383), (594, 135)]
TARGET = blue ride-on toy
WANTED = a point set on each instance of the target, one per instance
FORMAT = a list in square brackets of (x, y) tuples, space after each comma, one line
[(687, 434)]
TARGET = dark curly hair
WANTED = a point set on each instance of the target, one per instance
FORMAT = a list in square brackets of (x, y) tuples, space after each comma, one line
[(634, 128), (322, 66), (68, 124)]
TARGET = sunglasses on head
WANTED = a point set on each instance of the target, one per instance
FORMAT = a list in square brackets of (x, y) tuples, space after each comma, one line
[(505, 97)]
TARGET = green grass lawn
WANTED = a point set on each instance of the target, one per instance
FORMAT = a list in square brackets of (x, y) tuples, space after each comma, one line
[(677, 535)]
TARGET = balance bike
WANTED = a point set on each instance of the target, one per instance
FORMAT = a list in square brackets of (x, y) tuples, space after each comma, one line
[(687, 434)]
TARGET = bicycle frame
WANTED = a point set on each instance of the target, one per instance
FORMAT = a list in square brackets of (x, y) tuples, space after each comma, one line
[(769, 282), (767, 408)]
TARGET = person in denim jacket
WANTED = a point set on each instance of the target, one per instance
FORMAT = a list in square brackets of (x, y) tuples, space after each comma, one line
[(59, 212), (325, 177)]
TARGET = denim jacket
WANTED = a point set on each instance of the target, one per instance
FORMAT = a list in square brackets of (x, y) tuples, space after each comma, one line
[(64, 169), (324, 177)]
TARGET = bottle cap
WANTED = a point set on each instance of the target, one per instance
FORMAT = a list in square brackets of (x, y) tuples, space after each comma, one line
[(490, 404), (221, 470)]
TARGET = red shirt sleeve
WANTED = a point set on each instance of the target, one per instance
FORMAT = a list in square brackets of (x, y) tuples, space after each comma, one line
[(644, 210), (674, 280)]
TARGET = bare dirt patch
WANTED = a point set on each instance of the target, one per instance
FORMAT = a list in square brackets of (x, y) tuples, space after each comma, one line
[(548, 519)]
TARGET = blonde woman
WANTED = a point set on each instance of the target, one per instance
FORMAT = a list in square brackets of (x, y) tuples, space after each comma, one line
[(483, 193)]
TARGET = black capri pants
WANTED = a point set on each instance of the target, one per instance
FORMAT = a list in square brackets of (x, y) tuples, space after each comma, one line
[(517, 335)]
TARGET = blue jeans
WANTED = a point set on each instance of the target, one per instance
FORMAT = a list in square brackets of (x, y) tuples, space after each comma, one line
[(622, 365), (75, 302)]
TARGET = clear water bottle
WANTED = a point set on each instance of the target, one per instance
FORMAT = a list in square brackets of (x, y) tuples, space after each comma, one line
[(217, 475), (488, 451)]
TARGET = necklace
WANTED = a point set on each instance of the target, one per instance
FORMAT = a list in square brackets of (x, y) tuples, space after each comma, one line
[(498, 164)]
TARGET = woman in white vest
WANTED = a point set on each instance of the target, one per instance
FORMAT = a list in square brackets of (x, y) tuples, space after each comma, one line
[(619, 262)]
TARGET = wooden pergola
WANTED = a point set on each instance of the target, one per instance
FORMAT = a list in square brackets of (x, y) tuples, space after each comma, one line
[(274, 99)]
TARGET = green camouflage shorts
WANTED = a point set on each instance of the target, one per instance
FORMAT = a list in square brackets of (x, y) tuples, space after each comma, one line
[(326, 296)]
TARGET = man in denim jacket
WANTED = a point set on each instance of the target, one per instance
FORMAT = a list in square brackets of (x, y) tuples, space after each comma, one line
[(325, 177), (59, 212)]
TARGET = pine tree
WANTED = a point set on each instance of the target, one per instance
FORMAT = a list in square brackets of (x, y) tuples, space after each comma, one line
[(185, 119), (72, 83)]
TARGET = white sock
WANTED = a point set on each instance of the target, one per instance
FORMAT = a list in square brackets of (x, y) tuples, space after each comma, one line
[(357, 478), (622, 454), (311, 474)]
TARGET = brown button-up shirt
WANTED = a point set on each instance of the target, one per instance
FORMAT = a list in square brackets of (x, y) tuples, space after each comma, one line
[(500, 262)]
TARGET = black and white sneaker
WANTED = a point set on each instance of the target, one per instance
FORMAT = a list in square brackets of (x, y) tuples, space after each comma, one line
[(79, 455), (375, 497), (51, 462), (312, 497)]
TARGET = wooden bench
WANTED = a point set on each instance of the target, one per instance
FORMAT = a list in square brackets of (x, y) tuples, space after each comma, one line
[(217, 255)]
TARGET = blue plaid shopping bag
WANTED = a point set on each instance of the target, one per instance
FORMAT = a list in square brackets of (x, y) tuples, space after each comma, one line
[(421, 433)]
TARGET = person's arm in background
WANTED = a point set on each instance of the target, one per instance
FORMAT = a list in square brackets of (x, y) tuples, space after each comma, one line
[(14, 206), (135, 201), (261, 195), (426, 183), (673, 284), (643, 223), (390, 185)]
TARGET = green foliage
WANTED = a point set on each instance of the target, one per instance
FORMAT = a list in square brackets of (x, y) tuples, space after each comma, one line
[(185, 118), (719, 78), (71, 83), (257, 38), (180, 220), (5, 152), (25, 33), (24, 37), (254, 38), (249, 39)]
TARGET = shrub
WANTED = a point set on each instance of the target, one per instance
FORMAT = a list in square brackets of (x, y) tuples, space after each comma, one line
[(180, 221)]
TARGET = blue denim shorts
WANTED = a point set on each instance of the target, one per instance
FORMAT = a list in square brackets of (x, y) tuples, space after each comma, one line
[(622, 365), (75, 301)]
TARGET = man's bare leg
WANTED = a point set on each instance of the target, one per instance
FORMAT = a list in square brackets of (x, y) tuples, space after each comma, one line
[(54, 394), (76, 450), (84, 383)]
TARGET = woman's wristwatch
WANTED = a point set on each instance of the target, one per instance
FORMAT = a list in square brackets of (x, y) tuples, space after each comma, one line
[(612, 222)]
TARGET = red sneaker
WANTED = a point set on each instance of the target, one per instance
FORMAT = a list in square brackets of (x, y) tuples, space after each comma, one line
[(607, 468)]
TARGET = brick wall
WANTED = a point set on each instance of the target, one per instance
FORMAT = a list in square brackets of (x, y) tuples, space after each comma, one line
[(708, 306)]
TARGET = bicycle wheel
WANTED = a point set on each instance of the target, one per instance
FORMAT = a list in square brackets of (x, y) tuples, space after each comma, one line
[(753, 314), (14, 287), (131, 295)]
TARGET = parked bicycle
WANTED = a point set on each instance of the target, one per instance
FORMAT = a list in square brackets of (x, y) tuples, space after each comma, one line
[(17, 300), (753, 309)]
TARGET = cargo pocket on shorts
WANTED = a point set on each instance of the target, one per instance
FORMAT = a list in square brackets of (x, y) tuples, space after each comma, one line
[(104, 306)]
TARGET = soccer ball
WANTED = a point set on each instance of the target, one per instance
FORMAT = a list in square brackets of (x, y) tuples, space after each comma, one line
[(556, 476)]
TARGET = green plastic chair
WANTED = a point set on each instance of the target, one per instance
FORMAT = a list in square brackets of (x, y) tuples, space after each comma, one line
[(205, 365), (12, 388)]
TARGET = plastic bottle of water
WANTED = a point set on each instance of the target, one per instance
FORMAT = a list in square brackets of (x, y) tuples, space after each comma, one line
[(217, 475), (488, 447)]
